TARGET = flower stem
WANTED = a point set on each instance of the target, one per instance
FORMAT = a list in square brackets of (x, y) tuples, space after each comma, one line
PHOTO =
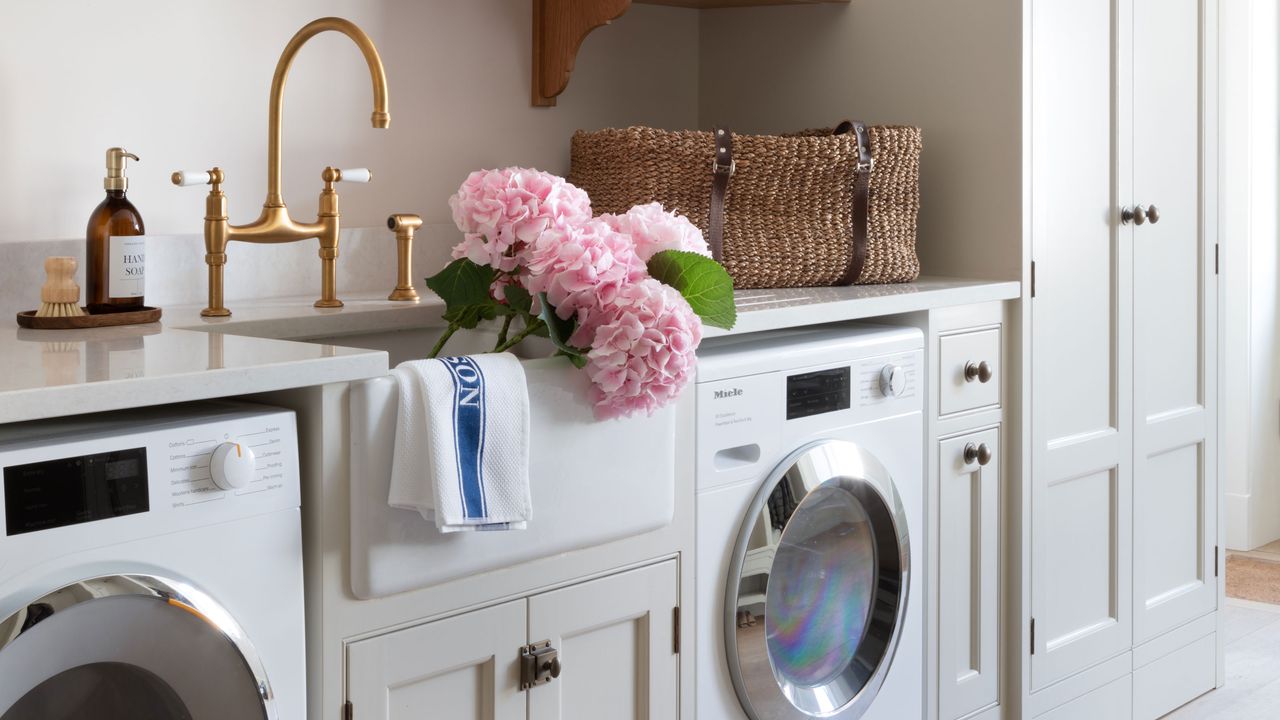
[(529, 329), (435, 351), (502, 335)]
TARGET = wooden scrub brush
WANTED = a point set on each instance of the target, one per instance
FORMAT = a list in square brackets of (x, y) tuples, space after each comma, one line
[(60, 296)]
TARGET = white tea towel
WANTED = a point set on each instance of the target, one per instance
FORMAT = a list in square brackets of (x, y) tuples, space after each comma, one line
[(462, 442)]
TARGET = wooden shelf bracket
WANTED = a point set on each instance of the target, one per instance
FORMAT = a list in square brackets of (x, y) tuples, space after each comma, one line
[(559, 27)]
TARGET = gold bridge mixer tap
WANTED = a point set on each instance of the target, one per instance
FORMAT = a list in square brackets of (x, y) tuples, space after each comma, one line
[(274, 224)]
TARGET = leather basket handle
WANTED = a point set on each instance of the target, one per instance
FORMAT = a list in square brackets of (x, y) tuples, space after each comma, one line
[(723, 166)]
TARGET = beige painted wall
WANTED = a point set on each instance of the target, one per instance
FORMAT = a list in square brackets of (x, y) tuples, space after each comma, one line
[(184, 85), (953, 68)]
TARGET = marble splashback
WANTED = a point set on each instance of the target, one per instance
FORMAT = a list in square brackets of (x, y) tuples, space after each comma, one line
[(176, 270)]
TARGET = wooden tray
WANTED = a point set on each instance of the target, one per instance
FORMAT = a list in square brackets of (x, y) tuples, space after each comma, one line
[(28, 319)]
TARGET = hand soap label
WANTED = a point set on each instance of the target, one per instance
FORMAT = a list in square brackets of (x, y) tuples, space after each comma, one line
[(128, 262)]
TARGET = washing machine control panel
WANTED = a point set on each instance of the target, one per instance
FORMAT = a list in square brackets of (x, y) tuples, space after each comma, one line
[(200, 464), (744, 419)]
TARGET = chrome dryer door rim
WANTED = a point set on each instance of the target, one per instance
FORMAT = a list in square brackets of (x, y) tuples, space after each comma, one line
[(836, 569), (159, 659)]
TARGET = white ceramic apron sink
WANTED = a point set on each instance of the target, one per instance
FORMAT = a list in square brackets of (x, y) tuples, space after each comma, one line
[(592, 482)]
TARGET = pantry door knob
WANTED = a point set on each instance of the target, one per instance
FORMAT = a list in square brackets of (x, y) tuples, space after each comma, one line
[(979, 453), (978, 371), (1153, 214), (1136, 215), (232, 465)]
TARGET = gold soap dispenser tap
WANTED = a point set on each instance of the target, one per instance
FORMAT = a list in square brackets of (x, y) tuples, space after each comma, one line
[(404, 225)]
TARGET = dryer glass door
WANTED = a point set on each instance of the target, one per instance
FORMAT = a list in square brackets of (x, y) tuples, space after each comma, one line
[(129, 647), (818, 587)]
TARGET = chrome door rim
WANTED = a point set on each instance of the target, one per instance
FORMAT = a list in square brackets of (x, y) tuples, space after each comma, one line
[(843, 461), (175, 593)]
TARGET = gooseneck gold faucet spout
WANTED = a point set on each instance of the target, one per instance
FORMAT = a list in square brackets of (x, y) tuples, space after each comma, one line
[(275, 225), (381, 118)]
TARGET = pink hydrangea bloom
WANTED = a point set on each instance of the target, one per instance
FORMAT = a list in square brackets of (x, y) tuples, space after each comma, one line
[(501, 211), (642, 355), (581, 269), (653, 230)]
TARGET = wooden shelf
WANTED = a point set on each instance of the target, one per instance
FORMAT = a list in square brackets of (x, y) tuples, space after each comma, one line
[(560, 26)]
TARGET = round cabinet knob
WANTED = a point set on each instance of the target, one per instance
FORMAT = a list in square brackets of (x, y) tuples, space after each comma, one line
[(231, 466), (552, 668), (1136, 215), (893, 381), (1153, 214), (978, 371), (980, 454)]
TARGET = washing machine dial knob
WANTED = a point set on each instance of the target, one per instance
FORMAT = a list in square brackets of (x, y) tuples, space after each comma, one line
[(893, 381), (232, 465)]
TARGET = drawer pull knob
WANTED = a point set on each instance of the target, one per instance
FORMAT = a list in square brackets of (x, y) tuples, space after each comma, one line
[(978, 371), (979, 453)]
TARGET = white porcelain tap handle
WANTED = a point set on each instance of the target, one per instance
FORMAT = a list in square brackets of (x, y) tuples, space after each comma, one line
[(187, 178), (355, 175)]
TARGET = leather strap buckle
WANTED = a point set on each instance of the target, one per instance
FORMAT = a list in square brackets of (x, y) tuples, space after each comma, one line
[(720, 168)]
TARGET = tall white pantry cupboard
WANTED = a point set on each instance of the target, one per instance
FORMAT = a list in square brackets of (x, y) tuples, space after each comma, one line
[(1119, 564)]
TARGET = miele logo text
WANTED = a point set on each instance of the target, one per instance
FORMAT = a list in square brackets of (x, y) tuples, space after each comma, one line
[(722, 394)]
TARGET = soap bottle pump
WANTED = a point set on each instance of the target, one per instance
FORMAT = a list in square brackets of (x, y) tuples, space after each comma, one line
[(115, 248)]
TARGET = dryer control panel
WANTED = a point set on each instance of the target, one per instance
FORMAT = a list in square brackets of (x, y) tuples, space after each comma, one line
[(178, 467)]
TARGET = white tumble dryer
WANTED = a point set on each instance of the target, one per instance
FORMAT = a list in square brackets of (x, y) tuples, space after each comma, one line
[(151, 566), (810, 508)]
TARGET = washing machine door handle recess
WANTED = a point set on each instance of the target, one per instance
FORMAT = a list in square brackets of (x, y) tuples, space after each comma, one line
[(818, 585), (117, 645)]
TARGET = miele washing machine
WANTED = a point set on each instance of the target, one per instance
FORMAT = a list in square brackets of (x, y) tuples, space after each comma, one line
[(810, 508), (151, 566)]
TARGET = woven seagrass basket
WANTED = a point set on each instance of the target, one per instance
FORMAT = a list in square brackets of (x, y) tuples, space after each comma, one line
[(816, 208)]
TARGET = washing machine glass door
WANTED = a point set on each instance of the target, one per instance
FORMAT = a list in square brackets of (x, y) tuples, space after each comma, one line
[(818, 587), (129, 647)]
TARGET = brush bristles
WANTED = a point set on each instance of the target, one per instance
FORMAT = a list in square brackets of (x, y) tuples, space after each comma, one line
[(60, 310)]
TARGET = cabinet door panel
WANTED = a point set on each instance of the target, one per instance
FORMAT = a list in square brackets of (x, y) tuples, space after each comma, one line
[(462, 668), (615, 641), (1081, 338), (1175, 330), (968, 582)]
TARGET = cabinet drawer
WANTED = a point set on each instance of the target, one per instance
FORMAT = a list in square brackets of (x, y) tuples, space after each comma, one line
[(969, 364)]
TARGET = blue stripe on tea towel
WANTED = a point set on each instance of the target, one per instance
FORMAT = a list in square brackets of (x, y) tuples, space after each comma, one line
[(468, 426)]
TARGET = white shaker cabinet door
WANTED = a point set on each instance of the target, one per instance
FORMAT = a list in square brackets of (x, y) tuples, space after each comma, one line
[(1175, 486), (1081, 337), (969, 567), (615, 639), (461, 668)]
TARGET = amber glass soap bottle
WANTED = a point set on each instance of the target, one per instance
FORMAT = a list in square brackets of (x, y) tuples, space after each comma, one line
[(115, 267)]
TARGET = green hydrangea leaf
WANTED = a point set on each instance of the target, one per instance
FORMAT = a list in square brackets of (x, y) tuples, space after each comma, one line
[(462, 283), (518, 299), (703, 282)]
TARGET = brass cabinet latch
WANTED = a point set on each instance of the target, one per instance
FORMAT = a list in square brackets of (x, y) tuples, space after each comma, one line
[(539, 664)]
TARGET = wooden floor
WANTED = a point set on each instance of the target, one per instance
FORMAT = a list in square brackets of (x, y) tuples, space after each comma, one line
[(1252, 691)]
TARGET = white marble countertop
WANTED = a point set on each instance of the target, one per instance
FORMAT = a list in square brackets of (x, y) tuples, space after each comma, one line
[(51, 373), (758, 310)]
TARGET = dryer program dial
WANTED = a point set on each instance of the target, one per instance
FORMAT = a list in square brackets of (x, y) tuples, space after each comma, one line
[(232, 465), (893, 381)]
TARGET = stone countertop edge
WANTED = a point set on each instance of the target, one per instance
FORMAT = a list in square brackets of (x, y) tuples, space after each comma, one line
[(58, 373)]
